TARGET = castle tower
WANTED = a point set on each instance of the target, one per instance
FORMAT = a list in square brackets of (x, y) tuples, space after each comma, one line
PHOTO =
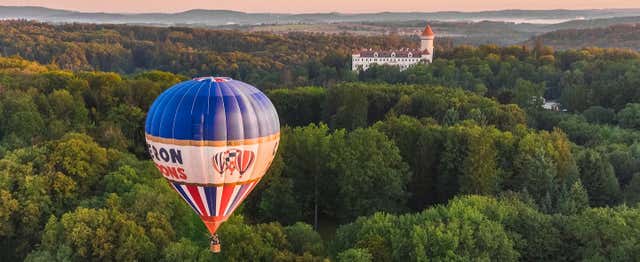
[(426, 42)]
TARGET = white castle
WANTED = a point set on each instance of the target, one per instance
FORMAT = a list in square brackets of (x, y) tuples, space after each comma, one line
[(403, 58)]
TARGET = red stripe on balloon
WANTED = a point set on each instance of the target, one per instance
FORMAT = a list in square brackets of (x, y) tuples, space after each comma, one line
[(227, 191), (195, 194)]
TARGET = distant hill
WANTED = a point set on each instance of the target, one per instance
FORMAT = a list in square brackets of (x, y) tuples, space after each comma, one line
[(502, 27), (618, 36), (225, 17), (594, 23)]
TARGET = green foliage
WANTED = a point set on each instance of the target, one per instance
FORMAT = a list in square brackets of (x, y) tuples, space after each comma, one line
[(456, 232), (75, 183), (599, 115), (598, 178), (265, 59), (623, 161), (267, 242), (600, 32), (335, 175), (125, 212), (632, 191), (303, 239), (472, 159), (354, 255), (98, 235), (371, 175), (245, 242), (535, 172), (20, 118), (582, 78), (81, 158), (603, 234), (480, 168), (278, 201), (574, 201), (480, 228), (629, 117), (464, 235), (306, 176), (348, 108), (420, 147), (354, 105), (583, 133), (300, 106), (528, 94), (183, 250), (64, 253)]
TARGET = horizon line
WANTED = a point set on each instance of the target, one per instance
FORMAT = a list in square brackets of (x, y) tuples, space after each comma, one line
[(307, 13)]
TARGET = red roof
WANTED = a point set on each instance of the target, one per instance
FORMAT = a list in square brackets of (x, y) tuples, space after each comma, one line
[(427, 31)]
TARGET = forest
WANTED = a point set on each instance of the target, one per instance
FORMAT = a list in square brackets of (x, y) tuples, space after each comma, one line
[(455, 160), (623, 34)]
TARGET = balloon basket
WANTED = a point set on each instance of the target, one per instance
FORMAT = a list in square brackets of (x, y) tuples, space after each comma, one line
[(215, 248), (215, 244)]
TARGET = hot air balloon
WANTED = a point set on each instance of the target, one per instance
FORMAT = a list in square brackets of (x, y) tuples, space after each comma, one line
[(212, 138)]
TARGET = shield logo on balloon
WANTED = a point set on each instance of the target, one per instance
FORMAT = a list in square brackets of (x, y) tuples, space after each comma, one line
[(233, 160)]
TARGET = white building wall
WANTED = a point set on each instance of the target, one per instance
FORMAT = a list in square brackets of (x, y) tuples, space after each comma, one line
[(358, 62), (426, 43)]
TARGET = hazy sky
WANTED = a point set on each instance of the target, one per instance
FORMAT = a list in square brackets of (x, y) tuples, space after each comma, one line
[(306, 6)]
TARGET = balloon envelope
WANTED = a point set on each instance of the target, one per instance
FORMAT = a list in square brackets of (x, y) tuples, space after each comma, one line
[(212, 138)]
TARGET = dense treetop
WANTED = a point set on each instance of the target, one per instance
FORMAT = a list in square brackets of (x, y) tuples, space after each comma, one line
[(261, 58), (580, 78), (451, 161)]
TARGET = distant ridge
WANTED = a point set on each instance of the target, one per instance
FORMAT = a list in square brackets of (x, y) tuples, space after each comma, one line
[(623, 35), (595, 23), (223, 17)]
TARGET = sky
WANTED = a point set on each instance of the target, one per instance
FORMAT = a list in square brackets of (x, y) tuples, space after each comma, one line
[(309, 6)]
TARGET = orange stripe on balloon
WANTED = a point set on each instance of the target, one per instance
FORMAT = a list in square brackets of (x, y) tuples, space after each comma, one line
[(219, 184)]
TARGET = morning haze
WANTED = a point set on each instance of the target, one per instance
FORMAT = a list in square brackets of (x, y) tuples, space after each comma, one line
[(296, 6)]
